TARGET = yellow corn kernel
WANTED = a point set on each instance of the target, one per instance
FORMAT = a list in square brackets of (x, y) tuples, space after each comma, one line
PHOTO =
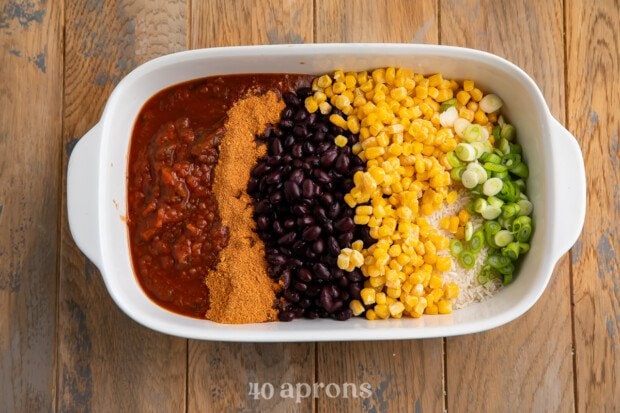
[(382, 311), (368, 295), (463, 216), (371, 315), (357, 245), (465, 114), (380, 298), (460, 233), (444, 307), (340, 141), (450, 290), (343, 260), (338, 121), (463, 97), (311, 104), (356, 307), (444, 223), (476, 94), (454, 224), (374, 152), (393, 292), (468, 85), (443, 263), (396, 308)]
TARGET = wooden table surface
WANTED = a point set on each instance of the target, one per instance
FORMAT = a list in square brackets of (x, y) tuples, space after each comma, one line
[(65, 346)]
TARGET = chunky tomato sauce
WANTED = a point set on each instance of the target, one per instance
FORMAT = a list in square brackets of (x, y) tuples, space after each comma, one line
[(175, 231)]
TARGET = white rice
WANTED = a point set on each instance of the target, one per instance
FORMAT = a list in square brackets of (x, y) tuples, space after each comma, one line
[(470, 291)]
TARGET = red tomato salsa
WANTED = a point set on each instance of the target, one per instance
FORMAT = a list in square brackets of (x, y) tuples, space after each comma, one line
[(175, 231)]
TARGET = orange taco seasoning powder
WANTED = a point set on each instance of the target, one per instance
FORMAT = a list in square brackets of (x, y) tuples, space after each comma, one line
[(240, 289)]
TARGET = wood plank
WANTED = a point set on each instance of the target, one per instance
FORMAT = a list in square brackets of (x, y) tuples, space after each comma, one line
[(30, 128), (593, 98), (245, 22), (527, 364), (404, 375), (107, 362), (220, 373)]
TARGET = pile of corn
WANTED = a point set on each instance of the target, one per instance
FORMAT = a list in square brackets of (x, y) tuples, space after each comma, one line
[(397, 116)]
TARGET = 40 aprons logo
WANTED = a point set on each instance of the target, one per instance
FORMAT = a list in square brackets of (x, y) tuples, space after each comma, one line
[(300, 391)]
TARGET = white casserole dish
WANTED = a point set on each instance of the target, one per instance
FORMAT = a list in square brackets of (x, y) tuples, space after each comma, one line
[(96, 184)]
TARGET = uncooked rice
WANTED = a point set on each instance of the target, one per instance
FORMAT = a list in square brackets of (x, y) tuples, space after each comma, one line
[(470, 291)]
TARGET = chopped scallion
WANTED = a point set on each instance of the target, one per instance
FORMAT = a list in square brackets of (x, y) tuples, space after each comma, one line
[(469, 230), (503, 238), (491, 212), (477, 241), (475, 133), (469, 179), (508, 132), (456, 247), (467, 259), (521, 170), (465, 152), (525, 206), (492, 186)]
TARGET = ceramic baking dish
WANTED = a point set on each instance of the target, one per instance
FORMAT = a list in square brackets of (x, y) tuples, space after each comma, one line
[(96, 184)]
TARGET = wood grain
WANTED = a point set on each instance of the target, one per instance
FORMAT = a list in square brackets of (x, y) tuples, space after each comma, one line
[(30, 128), (245, 22), (107, 362), (527, 364), (220, 373), (404, 375), (593, 99)]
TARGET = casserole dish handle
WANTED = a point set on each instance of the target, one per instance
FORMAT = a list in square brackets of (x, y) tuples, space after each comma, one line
[(83, 194), (570, 189)]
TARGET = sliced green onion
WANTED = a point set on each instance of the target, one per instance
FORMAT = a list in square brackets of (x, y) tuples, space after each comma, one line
[(467, 259), (524, 247), (503, 238), (469, 178), (470, 207), (516, 148), (521, 170), (448, 116), (506, 223), (460, 125), (501, 121), (475, 133), (489, 238), (492, 227), (479, 170), (498, 261), (491, 212), (482, 279), (490, 103), (520, 183), (496, 132), (457, 172), (480, 148), (465, 152), (469, 230), (511, 159), (480, 205), (493, 158), (510, 210), (504, 146), (492, 200), (507, 279), (447, 104), (494, 167), (498, 152), (524, 233), (510, 192), (456, 247), (501, 175), (511, 251), (492, 186), (507, 269), (477, 241), (525, 207), (508, 132), (453, 160), (521, 222)]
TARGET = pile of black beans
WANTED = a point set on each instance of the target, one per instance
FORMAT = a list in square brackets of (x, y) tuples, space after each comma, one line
[(300, 214)]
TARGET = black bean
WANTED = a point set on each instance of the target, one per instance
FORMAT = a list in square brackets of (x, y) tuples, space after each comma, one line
[(326, 298), (326, 199), (287, 113), (304, 275), (276, 197), (333, 211), (274, 160), (343, 282), (311, 233), (345, 224), (297, 175), (274, 177), (286, 123), (291, 190), (304, 92), (297, 150), (311, 255), (321, 175), (299, 131), (332, 246), (328, 226), (262, 222), (328, 157), (355, 276), (287, 239), (289, 141), (286, 316), (300, 210), (277, 227), (308, 188), (291, 296), (301, 287), (354, 290), (308, 148), (344, 315), (319, 135), (312, 314), (318, 246), (291, 99), (262, 207), (275, 147), (305, 221), (260, 169), (286, 278), (304, 303), (342, 163), (321, 271), (344, 240)]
